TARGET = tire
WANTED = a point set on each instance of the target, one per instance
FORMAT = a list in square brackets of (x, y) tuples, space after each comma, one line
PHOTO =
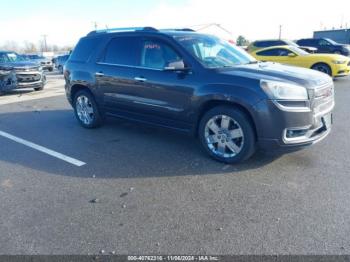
[(50, 69), (219, 143), (322, 67), (88, 116)]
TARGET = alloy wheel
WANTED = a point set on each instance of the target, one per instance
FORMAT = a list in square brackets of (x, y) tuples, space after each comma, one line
[(224, 136), (85, 110), (323, 69)]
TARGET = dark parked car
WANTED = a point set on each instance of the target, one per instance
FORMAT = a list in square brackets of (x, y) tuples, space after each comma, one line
[(45, 63), (325, 45), (260, 44), (28, 74), (201, 85), (60, 61)]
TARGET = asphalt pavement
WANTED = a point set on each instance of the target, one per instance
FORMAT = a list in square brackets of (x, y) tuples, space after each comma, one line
[(146, 190)]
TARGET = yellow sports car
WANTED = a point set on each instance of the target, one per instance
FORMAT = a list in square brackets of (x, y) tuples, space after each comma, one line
[(331, 64)]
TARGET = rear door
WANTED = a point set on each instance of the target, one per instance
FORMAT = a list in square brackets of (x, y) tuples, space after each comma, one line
[(116, 72)]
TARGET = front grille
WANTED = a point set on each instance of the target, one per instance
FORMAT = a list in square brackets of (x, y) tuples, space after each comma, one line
[(28, 78), (323, 98), (26, 69)]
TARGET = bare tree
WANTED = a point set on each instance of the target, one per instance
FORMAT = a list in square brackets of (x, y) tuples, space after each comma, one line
[(11, 46), (29, 47)]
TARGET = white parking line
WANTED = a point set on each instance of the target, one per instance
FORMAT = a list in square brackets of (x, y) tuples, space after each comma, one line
[(43, 149)]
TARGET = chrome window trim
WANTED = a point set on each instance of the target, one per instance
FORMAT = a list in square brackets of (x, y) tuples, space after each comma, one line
[(130, 66)]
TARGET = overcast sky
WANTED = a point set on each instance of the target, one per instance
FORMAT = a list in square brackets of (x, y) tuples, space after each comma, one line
[(65, 21)]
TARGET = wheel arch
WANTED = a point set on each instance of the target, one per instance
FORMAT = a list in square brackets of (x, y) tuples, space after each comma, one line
[(208, 105), (76, 88), (323, 63)]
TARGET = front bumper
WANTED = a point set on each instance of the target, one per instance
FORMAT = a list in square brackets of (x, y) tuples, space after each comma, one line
[(31, 79), (342, 70), (286, 129), (46, 65)]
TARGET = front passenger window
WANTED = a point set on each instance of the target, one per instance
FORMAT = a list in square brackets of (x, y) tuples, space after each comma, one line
[(157, 55)]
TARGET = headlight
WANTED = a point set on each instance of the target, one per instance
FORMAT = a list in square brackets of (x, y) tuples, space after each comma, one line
[(338, 62), (283, 91)]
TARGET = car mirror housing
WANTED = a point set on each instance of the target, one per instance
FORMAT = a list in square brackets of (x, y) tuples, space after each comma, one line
[(178, 65)]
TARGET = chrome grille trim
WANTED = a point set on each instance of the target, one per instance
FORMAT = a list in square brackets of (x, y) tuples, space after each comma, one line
[(24, 69), (322, 100)]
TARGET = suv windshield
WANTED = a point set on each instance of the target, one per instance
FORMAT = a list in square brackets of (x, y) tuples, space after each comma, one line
[(213, 52), (331, 41), (10, 57)]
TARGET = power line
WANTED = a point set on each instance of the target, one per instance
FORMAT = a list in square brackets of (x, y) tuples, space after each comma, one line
[(45, 42), (280, 32)]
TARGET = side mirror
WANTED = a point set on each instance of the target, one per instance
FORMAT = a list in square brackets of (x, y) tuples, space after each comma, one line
[(176, 66), (292, 55)]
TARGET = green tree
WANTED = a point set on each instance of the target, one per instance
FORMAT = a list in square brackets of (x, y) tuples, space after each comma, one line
[(242, 41)]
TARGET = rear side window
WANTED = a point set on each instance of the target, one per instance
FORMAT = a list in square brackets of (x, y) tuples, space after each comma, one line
[(306, 42), (84, 49), (123, 50), (269, 43), (274, 52)]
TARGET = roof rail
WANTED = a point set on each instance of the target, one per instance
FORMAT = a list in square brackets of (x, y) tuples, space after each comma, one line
[(179, 29), (122, 29)]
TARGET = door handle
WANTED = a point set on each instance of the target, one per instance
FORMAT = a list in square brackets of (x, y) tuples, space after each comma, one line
[(99, 74), (140, 79)]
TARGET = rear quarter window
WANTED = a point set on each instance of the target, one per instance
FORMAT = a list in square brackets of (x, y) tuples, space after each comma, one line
[(123, 50), (84, 49)]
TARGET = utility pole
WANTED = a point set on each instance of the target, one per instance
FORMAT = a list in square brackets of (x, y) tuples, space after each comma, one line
[(45, 43), (95, 25), (280, 32)]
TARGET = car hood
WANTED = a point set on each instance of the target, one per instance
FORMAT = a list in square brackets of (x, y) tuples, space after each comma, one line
[(21, 64), (277, 72)]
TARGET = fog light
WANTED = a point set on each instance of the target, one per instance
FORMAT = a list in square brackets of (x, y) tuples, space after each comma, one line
[(296, 133)]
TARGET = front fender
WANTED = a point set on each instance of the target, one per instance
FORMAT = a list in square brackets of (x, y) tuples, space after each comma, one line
[(246, 97)]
